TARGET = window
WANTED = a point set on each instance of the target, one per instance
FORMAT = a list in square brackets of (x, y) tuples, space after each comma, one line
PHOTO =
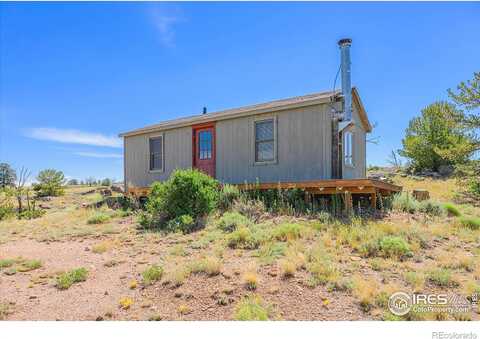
[(205, 145), (264, 141), (348, 147), (156, 153)]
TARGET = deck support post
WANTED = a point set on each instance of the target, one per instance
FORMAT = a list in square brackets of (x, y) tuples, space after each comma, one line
[(373, 201), (348, 203)]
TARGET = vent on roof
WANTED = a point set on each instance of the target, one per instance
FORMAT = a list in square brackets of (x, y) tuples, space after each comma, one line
[(204, 110)]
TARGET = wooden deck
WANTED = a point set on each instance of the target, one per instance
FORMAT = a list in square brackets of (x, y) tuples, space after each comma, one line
[(346, 187), (321, 187), (331, 186)]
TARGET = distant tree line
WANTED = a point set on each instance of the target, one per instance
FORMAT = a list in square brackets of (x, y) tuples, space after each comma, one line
[(448, 134), (18, 197)]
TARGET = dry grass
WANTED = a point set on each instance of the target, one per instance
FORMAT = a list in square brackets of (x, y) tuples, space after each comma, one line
[(250, 279), (65, 218), (366, 290), (178, 275), (184, 309), (210, 265), (440, 189), (444, 256)]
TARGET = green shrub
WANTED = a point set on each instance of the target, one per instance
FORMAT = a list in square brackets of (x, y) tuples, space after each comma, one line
[(252, 209), (430, 207), (393, 247), (67, 279), (252, 308), (31, 214), (270, 251), (98, 218), (228, 195), (451, 209), (29, 265), (286, 201), (209, 265), (323, 272), (50, 183), (152, 274), (186, 192), (442, 278), (183, 223), (230, 221), (243, 238), (387, 247), (404, 202), (285, 232), (6, 263), (470, 222)]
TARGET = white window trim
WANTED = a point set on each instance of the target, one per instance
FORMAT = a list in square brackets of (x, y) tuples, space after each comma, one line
[(352, 147), (161, 170), (275, 140)]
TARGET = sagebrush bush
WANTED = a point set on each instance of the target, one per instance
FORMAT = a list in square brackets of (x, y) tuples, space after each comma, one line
[(286, 232), (209, 265), (188, 192), (451, 209), (252, 308), (252, 209), (183, 223), (29, 265), (431, 208), (67, 279), (31, 214), (152, 274), (98, 218), (393, 247), (386, 246), (470, 222), (230, 221), (228, 195), (404, 202), (442, 278), (243, 238)]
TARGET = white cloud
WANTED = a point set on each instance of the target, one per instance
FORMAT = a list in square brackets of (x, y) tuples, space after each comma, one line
[(164, 21), (71, 136), (99, 155)]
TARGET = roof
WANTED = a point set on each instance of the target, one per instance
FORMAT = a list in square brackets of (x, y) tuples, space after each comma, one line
[(276, 105)]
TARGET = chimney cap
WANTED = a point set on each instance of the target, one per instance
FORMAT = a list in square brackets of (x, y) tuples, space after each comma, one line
[(343, 42)]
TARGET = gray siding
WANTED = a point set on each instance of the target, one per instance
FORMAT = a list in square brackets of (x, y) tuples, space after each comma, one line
[(178, 154), (359, 149), (303, 147)]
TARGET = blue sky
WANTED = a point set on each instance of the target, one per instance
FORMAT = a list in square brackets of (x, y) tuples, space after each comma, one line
[(74, 75)]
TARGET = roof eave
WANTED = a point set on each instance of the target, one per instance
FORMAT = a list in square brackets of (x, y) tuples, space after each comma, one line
[(362, 112), (219, 116)]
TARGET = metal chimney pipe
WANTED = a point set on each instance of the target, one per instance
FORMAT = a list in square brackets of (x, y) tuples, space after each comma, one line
[(346, 77)]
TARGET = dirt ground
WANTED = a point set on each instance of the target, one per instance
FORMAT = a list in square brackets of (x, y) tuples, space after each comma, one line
[(97, 298), (63, 240)]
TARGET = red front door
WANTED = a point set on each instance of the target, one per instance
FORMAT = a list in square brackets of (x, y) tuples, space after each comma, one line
[(204, 148)]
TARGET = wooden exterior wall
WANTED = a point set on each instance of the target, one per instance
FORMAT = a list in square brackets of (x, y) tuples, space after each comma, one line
[(177, 150), (303, 150), (303, 147)]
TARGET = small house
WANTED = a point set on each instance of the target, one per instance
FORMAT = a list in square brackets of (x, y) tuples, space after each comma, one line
[(314, 138)]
